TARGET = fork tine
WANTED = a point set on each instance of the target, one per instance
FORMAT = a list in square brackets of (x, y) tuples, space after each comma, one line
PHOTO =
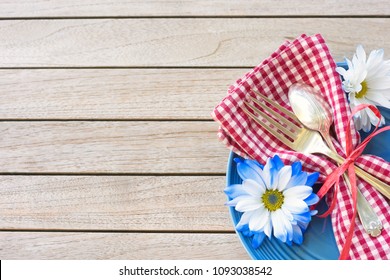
[(272, 121), (276, 105), (282, 119), (274, 132)]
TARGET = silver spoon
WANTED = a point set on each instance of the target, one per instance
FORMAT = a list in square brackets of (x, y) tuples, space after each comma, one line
[(315, 113)]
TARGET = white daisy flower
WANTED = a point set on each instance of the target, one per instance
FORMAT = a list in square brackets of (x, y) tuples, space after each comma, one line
[(274, 200), (367, 81)]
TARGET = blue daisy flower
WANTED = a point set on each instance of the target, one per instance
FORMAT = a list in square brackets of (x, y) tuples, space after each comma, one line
[(274, 200)]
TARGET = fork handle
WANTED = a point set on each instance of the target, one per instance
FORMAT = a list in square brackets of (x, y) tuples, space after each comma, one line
[(380, 186), (369, 219)]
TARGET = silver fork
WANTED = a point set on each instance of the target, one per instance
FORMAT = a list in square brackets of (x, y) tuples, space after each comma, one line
[(310, 142)]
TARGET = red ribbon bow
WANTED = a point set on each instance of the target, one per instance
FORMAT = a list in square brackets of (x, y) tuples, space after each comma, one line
[(334, 178)]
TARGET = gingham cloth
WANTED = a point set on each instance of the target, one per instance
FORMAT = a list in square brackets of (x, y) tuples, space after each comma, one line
[(306, 59)]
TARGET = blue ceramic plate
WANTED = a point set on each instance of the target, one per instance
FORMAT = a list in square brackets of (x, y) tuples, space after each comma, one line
[(319, 242)]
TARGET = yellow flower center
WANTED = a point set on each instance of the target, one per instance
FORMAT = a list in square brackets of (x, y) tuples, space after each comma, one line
[(364, 90), (272, 199)]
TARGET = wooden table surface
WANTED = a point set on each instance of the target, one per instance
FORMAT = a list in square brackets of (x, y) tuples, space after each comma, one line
[(107, 147)]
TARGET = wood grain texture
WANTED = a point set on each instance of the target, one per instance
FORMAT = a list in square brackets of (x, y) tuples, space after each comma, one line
[(129, 246), (72, 8), (238, 42), (113, 93), (109, 151), (111, 147), (122, 203)]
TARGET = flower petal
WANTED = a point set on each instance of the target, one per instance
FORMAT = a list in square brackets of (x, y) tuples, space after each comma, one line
[(361, 54), (235, 200), (281, 225), (378, 99), (361, 119), (296, 168), (297, 180), (274, 178), (341, 70), (244, 220), (248, 204), (254, 164), (267, 173), (268, 228), (366, 123), (244, 229), (360, 78), (304, 217), (374, 60), (277, 162), (259, 219), (234, 190), (258, 239), (297, 235), (312, 199), (379, 82), (295, 206), (298, 192), (374, 120), (288, 214), (284, 177), (357, 120), (312, 178), (253, 188), (246, 171)]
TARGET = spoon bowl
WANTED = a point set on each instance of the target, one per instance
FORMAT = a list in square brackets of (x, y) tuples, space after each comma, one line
[(311, 109)]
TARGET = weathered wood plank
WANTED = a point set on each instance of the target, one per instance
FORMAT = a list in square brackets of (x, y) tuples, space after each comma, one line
[(72, 8), (238, 42), (125, 203), (111, 147), (129, 246), (113, 93)]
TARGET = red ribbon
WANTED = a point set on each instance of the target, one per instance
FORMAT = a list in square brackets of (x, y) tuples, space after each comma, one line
[(334, 178)]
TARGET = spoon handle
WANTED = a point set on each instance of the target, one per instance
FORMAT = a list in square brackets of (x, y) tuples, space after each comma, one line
[(369, 219)]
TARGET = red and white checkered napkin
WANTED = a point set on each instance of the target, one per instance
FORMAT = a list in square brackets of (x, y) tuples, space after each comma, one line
[(306, 59)]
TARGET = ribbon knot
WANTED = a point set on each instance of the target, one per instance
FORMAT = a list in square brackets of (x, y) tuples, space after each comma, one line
[(334, 177)]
